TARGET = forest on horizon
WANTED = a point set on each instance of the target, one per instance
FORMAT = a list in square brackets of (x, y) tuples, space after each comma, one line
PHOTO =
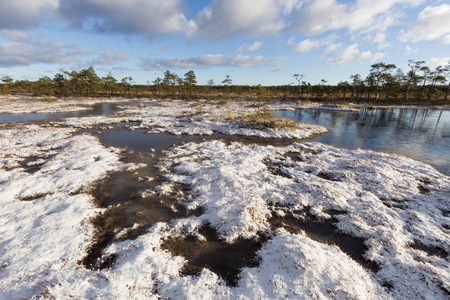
[(384, 83)]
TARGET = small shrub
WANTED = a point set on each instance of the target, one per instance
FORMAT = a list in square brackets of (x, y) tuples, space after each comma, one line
[(47, 99), (223, 102), (342, 105), (266, 119), (196, 103), (438, 94)]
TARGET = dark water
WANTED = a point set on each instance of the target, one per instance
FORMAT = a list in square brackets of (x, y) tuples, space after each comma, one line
[(140, 141), (96, 109), (422, 134), (225, 259), (121, 192)]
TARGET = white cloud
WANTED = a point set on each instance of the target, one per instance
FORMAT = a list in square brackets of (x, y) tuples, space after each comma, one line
[(225, 18), (433, 24), (377, 56), (15, 34), (110, 57), (333, 47), (380, 39), (287, 6), (306, 45), (37, 50), (249, 47), (319, 16), (148, 17), (410, 50), (351, 54), (24, 13), (210, 60), (439, 61), (278, 70), (367, 18)]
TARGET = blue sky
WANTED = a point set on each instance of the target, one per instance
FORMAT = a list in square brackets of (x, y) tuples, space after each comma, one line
[(254, 41)]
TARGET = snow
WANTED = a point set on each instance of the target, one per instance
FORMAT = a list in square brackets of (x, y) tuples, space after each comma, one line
[(293, 266), (185, 118), (46, 236), (399, 208), (23, 104), (335, 108), (381, 196), (40, 240)]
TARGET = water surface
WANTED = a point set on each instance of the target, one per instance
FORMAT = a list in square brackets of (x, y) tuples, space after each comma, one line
[(422, 134), (104, 109)]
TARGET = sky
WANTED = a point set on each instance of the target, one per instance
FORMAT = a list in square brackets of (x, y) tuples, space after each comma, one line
[(254, 41)]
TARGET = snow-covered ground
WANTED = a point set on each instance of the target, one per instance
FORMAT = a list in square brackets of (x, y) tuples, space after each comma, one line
[(399, 208), (392, 202), (45, 209), (43, 105), (336, 108), (200, 118)]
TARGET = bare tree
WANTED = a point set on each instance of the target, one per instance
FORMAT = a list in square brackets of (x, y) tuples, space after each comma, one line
[(299, 80)]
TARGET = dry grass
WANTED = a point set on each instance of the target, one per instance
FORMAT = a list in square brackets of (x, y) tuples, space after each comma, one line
[(229, 115), (47, 99), (266, 119)]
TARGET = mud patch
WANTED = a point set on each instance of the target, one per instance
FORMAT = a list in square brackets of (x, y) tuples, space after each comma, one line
[(430, 250), (225, 259), (132, 199), (324, 231), (327, 176), (128, 206), (393, 203), (277, 169), (32, 164), (294, 156), (33, 197), (423, 189)]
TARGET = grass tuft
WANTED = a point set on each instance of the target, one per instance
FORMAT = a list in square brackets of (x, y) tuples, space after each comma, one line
[(266, 119), (47, 99), (229, 115)]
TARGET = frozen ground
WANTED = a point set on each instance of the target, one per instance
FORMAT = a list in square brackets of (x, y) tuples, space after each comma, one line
[(45, 209), (22, 104), (397, 206), (201, 118)]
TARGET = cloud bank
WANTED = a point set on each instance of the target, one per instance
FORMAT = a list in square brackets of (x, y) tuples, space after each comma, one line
[(148, 17), (433, 24), (249, 47), (27, 50), (222, 19), (20, 14), (210, 60)]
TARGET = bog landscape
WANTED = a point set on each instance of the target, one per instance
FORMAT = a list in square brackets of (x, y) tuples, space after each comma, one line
[(202, 183)]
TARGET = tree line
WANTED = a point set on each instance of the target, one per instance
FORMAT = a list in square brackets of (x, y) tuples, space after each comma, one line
[(385, 82)]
